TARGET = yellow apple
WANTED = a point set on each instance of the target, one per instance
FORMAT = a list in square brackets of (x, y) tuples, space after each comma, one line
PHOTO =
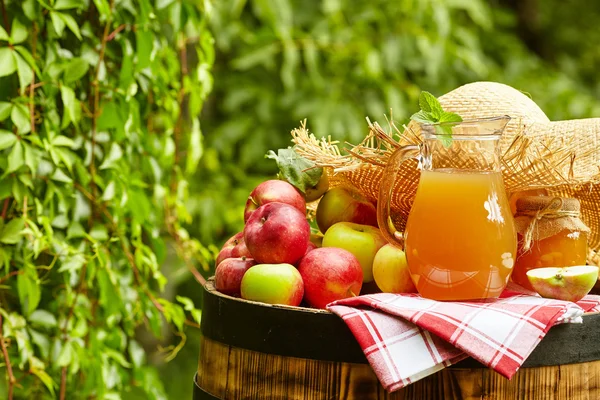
[(390, 271)]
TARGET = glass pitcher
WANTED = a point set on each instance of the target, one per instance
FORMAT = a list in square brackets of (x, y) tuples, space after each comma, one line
[(460, 240)]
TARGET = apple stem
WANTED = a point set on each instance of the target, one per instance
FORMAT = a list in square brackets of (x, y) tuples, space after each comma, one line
[(352, 294), (263, 220)]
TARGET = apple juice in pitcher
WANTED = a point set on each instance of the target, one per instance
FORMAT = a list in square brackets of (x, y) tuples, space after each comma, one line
[(460, 239), (459, 236)]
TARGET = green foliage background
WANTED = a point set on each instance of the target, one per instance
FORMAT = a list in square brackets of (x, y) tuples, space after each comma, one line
[(277, 62), (335, 62), (99, 134)]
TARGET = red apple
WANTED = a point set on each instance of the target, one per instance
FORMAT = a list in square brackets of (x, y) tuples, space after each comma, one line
[(233, 247), (330, 274), (273, 284), (229, 274), (277, 233), (311, 246), (345, 204), (274, 191)]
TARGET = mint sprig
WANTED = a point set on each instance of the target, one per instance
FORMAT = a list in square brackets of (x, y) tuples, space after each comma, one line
[(432, 113)]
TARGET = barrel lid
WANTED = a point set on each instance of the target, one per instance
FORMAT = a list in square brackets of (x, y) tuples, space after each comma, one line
[(321, 335), (536, 203)]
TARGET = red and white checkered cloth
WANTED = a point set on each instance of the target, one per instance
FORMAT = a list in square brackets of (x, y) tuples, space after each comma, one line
[(406, 337)]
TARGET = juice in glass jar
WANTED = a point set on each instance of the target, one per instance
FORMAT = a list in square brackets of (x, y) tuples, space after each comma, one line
[(460, 237), (556, 236), (561, 250)]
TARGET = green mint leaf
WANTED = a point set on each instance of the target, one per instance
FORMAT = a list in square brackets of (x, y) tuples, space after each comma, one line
[(423, 117), (432, 113), (295, 169), (446, 140), (423, 101), (450, 117), (436, 114), (430, 104), (444, 133)]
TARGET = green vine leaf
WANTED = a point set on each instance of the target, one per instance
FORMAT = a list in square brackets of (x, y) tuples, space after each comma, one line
[(18, 33), (45, 378), (7, 139), (8, 65), (29, 290), (16, 158), (5, 110), (12, 231), (66, 4), (3, 34), (94, 187), (75, 70), (43, 319), (20, 117), (24, 70), (57, 22)]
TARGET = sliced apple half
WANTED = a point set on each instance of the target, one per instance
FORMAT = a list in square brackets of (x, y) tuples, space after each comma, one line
[(567, 283)]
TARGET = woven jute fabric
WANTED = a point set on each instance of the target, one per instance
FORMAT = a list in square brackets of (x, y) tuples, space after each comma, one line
[(540, 217), (562, 158)]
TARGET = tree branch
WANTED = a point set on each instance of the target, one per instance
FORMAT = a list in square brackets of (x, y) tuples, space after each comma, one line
[(63, 374), (115, 32), (128, 254), (11, 377), (9, 275), (5, 208), (5, 18), (96, 107)]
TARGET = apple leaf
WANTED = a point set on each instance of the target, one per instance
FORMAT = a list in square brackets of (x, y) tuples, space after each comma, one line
[(297, 170)]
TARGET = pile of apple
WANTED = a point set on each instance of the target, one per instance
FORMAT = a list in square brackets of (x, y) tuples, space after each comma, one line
[(277, 260)]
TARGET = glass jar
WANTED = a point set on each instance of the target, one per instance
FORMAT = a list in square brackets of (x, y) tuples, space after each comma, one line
[(460, 239), (550, 234)]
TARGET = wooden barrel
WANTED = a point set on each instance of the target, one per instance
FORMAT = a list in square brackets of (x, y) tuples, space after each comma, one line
[(256, 351)]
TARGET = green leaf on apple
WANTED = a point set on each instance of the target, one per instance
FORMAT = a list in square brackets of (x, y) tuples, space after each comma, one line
[(295, 169)]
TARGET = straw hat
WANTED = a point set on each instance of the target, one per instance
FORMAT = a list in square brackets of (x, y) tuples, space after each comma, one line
[(560, 158)]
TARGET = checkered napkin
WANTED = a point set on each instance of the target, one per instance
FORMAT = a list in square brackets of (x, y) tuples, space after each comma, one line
[(406, 337)]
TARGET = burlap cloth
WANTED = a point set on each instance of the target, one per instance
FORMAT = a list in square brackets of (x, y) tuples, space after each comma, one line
[(560, 158), (540, 217)]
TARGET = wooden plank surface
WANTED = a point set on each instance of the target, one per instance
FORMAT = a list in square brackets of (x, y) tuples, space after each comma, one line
[(233, 373)]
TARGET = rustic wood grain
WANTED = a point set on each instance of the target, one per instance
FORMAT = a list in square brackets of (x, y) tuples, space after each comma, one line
[(232, 373)]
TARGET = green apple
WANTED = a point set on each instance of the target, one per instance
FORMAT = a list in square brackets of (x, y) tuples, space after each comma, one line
[(314, 193), (273, 284), (345, 204), (568, 283), (390, 271), (361, 240)]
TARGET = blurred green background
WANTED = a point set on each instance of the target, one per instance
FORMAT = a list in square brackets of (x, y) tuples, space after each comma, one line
[(335, 62)]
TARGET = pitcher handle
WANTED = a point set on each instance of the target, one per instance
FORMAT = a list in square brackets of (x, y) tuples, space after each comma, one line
[(386, 225)]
